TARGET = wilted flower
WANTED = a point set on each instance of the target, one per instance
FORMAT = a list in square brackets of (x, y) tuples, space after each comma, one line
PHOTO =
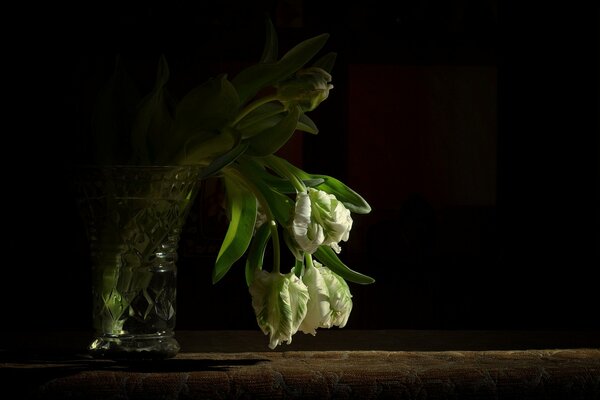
[(320, 219), (279, 302)]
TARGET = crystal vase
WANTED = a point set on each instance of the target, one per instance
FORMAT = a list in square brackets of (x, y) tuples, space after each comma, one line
[(133, 216)]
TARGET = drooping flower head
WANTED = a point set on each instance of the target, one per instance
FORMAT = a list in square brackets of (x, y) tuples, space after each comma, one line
[(340, 299), (318, 308), (279, 302), (320, 219), (330, 301)]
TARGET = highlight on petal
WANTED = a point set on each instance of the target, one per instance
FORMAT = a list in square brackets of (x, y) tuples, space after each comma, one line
[(307, 234), (318, 309), (320, 219), (279, 302), (340, 299)]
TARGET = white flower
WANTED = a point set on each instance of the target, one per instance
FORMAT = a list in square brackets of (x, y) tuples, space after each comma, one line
[(340, 299), (279, 302), (320, 219), (330, 301), (318, 308)]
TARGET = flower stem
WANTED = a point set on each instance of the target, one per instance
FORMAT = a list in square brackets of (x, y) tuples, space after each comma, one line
[(276, 246), (275, 163), (309, 261)]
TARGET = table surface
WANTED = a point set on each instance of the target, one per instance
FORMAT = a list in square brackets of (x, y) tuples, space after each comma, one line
[(333, 364)]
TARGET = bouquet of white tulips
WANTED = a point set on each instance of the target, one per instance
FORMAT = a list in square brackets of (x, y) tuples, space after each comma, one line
[(233, 128)]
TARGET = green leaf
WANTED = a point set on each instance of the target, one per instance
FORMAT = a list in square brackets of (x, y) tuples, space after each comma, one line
[(327, 257), (326, 62), (285, 186), (208, 106), (242, 211), (256, 77), (256, 253), (265, 177), (199, 150), (153, 121), (204, 111), (271, 43), (224, 160), (305, 124), (261, 118), (271, 139), (352, 200), (280, 205)]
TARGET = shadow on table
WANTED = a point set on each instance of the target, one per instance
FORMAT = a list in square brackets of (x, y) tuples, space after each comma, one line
[(27, 362)]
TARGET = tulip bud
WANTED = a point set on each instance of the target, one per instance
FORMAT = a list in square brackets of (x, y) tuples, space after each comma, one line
[(308, 88)]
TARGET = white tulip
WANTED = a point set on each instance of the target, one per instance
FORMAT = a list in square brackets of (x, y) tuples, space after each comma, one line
[(340, 299), (318, 310), (279, 302), (320, 219), (330, 301)]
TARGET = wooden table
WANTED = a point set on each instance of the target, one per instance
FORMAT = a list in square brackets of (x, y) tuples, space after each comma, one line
[(334, 364)]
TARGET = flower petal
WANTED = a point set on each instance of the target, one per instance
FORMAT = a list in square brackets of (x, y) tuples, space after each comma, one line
[(279, 302), (319, 311), (340, 299)]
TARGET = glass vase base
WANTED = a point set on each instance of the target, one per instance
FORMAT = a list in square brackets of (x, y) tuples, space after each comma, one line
[(134, 347)]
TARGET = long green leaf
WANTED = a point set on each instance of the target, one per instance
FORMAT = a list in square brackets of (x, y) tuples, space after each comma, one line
[(280, 205), (327, 256), (351, 199), (242, 211), (285, 186), (271, 43), (224, 160), (252, 79), (262, 118), (326, 62), (256, 253), (199, 150), (204, 111), (153, 121), (271, 139)]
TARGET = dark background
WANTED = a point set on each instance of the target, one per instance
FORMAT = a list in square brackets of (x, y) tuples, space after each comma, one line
[(470, 126)]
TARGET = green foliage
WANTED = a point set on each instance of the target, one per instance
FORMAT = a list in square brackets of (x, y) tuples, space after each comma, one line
[(328, 257), (259, 76), (233, 129), (242, 216)]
